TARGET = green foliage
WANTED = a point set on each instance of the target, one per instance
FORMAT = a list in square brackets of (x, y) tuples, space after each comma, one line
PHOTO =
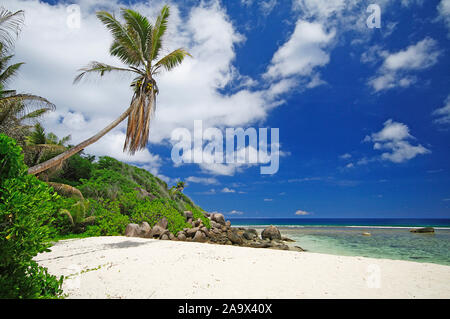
[(79, 215), (153, 211), (74, 169), (198, 213), (11, 158), (27, 207), (108, 219)]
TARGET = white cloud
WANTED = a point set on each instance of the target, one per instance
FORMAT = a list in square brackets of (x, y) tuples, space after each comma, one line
[(302, 52), (268, 199), (345, 156), (397, 67), (228, 190), (53, 52), (202, 180), (443, 113), (266, 7), (235, 212), (444, 12), (302, 213), (394, 139)]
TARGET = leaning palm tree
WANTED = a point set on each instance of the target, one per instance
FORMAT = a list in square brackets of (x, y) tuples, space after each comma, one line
[(138, 44)]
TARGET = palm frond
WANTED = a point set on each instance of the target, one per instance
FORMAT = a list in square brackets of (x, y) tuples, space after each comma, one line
[(158, 32), (25, 98), (35, 114), (143, 109), (10, 25), (172, 60), (66, 190), (139, 24), (101, 68), (124, 46), (68, 214), (9, 72)]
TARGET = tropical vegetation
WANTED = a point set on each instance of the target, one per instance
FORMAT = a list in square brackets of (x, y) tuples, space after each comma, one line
[(51, 190), (138, 44)]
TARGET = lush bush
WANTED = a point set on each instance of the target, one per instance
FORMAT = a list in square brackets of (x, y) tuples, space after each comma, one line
[(108, 219), (198, 213), (11, 158), (74, 169), (27, 208), (153, 211)]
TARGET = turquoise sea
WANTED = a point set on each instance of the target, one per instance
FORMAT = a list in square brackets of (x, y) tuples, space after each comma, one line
[(390, 238)]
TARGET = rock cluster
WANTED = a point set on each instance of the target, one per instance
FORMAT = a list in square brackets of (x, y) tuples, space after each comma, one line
[(220, 232)]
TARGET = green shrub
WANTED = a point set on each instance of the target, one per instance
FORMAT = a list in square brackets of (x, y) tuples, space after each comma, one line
[(74, 169), (11, 158), (108, 219), (153, 211), (198, 213), (27, 207)]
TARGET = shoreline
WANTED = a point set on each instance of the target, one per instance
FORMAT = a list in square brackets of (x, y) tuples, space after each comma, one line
[(129, 267), (280, 226)]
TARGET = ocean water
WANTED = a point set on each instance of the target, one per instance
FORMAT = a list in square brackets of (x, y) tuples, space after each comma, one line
[(390, 238)]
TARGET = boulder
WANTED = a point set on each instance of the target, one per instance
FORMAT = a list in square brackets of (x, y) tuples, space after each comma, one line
[(181, 236), (191, 231), (366, 234), (218, 218), (163, 223), (271, 233), (145, 230), (214, 224), (423, 230), (157, 231), (228, 223), (200, 236), (197, 222), (132, 230), (205, 230), (257, 244), (287, 239), (135, 230), (234, 238), (250, 234), (188, 214), (171, 236), (164, 237)]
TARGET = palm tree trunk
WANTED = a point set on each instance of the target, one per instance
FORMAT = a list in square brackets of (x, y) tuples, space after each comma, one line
[(74, 150)]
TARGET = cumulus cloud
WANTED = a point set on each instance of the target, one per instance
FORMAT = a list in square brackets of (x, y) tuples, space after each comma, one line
[(302, 52), (202, 180), (444, 13), (443, 114), (397, 67), (228, 190), (394, 139), (53, 53), (302, 213)]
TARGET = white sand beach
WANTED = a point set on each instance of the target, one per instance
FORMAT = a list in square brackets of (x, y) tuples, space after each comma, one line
[(123, 267)]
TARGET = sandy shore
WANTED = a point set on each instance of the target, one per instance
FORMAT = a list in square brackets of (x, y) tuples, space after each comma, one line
[(122, 267)]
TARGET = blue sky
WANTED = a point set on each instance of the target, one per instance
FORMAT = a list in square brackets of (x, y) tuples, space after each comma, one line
[(363, 114)]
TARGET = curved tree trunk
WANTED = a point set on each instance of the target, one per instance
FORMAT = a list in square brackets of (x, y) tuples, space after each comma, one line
[(74, 150)]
